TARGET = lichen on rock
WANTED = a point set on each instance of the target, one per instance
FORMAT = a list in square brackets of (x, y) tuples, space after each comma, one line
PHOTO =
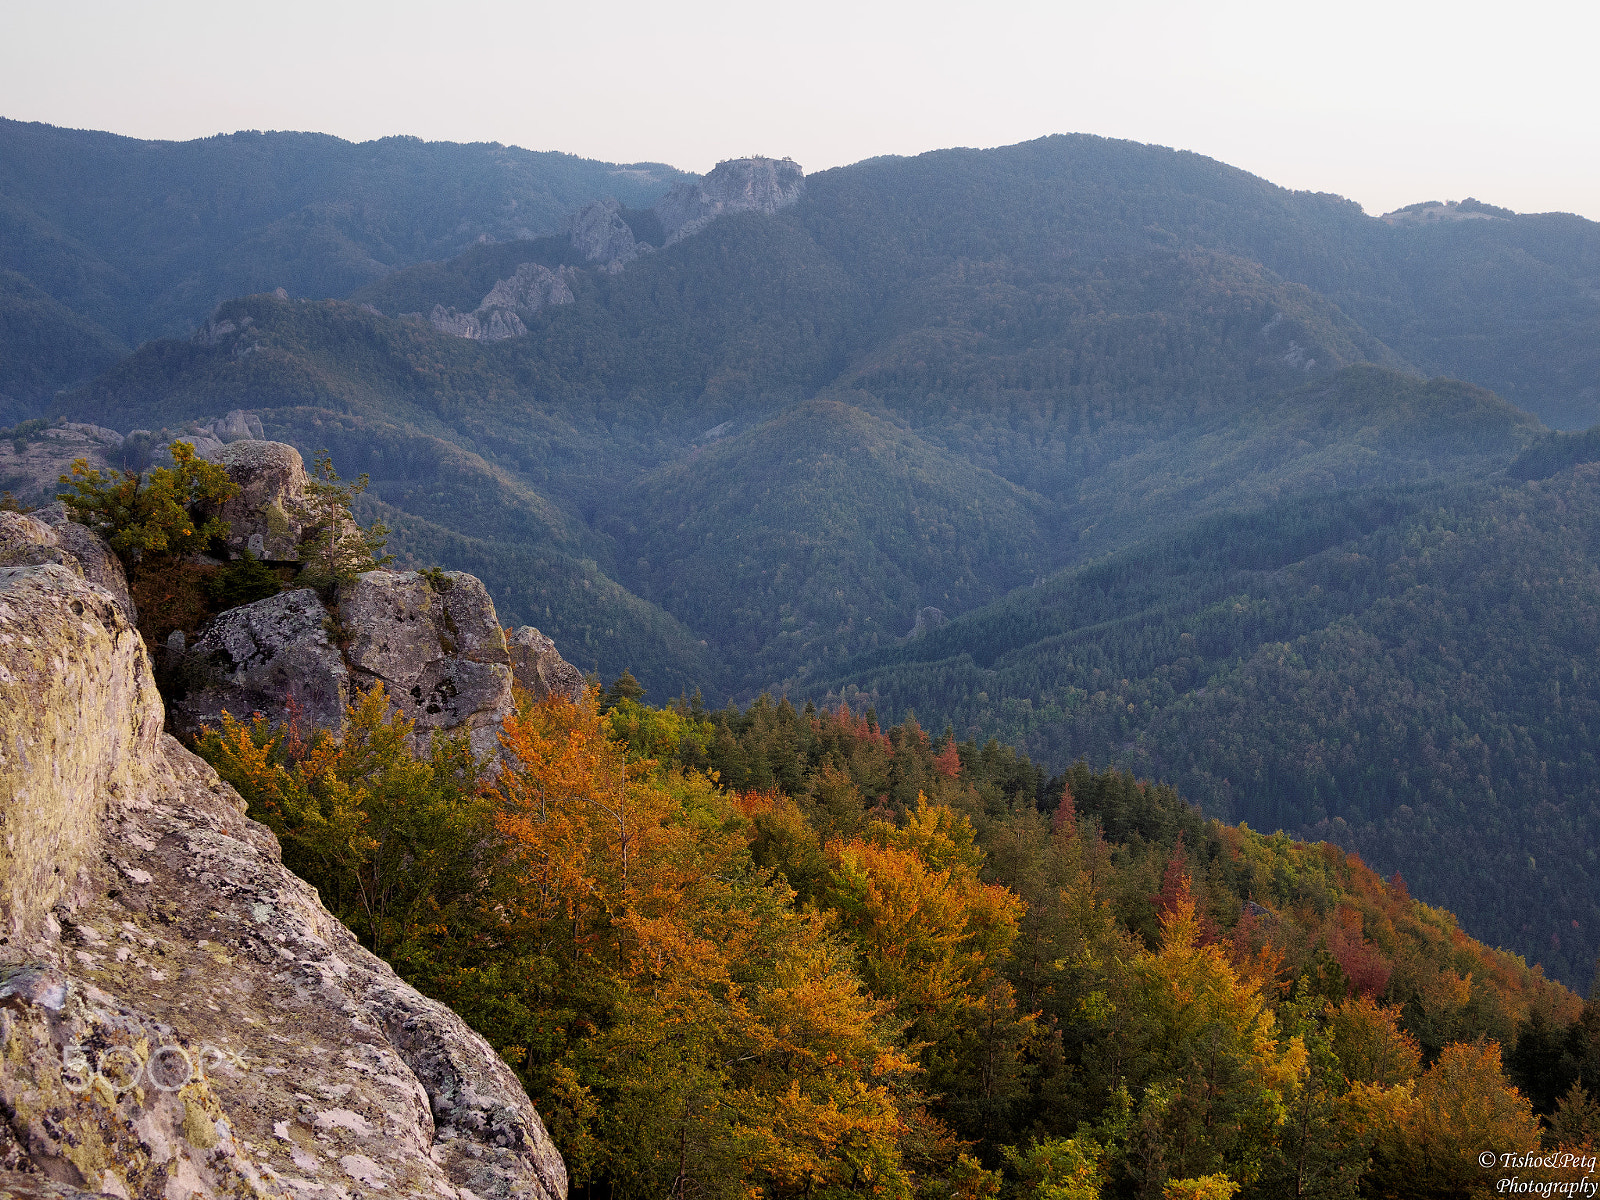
[(435, 643), (179, 1015), (274, 657)]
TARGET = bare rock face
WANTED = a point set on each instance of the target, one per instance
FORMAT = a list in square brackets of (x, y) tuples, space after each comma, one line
[(762, 185), (31, 467), (539, 668), (63, 639), (529, 288), (601, 235), (179, 1016), (274, 657), (500, 314), (271, 513), (50, 535), (437, 646), (928, 618)]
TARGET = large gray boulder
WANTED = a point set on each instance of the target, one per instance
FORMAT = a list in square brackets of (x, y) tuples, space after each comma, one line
[(276, 657), (181, 1017), (272, 512), (539, 668), (435, 643), (49, 535)]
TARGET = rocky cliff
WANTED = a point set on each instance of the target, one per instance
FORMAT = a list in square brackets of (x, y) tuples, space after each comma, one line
[(32, 463), (600, 235), (500, 313), (432, 639), (762, 185), (179, 1016)]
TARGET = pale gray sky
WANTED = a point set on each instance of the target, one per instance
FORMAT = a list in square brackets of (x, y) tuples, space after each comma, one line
[(1386, 103)]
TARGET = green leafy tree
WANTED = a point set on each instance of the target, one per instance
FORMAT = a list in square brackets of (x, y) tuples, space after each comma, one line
[(150, 521), (392, 840), (336, 548)]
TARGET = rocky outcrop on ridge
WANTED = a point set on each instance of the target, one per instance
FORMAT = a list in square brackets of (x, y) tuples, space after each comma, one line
[(600, 234), (275, 657), (500, 314), (762, 185), (434, 642), (539, 669), (928, 618), (179, 1016), (31, 465), (272, 513), (210, 437)]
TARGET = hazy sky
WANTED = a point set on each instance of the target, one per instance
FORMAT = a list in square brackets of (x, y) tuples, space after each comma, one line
[(1386, 103)]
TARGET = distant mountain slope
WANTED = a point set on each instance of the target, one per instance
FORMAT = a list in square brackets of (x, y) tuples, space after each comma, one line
[(42, 342), (820, 532), (143, 238), (1407, 671)]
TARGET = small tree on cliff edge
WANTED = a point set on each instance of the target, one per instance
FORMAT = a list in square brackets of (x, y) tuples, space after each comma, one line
[(151, 521), (337, 549)]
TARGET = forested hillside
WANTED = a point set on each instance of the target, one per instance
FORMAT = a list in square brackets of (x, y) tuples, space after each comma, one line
[(1407, 671), (137, 239), (980, 381), (792, 953)]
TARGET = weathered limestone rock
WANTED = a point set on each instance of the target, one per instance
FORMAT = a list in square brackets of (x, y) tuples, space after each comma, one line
[(50, 535), (499, 315), (63, 639), (539, 668), (528, 289), (600, 234), (179, 1016), (762, 185), (928, 618), (271, 514), (238, 426), (436, 645), (271, 657)]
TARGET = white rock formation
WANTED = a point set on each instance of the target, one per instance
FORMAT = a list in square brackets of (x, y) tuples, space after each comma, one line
[(601, 235)]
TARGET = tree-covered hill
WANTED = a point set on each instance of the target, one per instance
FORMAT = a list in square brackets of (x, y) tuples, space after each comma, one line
[(1407, 671), (140, 239), (820, 532), (790, 952), (713, 526)]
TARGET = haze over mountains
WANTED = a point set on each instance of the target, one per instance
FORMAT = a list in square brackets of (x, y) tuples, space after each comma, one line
[(1239, 486)]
